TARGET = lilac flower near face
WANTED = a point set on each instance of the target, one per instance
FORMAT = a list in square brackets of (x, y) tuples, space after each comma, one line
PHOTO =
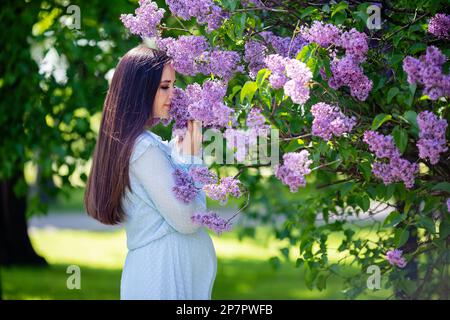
[(206, 104), (184, 51), (179, 109), (212, 221), (147, 17), (395, 258)]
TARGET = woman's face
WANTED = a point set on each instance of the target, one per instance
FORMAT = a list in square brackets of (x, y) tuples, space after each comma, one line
[(163, 98)]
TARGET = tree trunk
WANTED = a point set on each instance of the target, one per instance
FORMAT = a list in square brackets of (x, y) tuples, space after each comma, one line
[(15, 245)]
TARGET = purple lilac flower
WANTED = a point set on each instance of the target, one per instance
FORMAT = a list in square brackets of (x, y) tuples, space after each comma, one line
[(448, 204), (276, 64), (220, 192), (284, 46), (179, 109), (205, 11), (398, 169), (257, 122), (432, 140), (223, 64), (213, 221), (293, 170), (427, 70), (244, 140), (439, 26), (148, 17), (184, 188), (355, 44), (395, 258), (192, 55), (206, 104), (329, 121), (255, 53), (347, 72), (383, 146), (184, 51), (321, 33), (202, 175)]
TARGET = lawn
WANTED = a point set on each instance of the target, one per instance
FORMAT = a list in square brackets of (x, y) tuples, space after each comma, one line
[(243, 269)]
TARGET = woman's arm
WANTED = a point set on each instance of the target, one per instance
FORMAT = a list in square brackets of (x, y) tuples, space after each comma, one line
[(155, 173)]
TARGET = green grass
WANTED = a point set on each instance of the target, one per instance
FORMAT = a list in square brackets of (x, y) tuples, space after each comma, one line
[(243, 271)]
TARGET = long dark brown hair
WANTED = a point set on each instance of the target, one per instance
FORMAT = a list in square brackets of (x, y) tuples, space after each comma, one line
[(127, 109)]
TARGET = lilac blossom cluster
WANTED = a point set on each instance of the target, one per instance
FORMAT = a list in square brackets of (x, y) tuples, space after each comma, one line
[(427, 70), (439, 26), (432, 140), (291, 74), (321, 33), (293, 170), (244, 140), (192, 55), (205, 11), (184, 189), (221, 191), (146, 20), (212, 221), (329, 121), (206, 104), (179, 112), (397, 169), (395, 258), (448, 204), (202, 175), (346, 71), (284, 46), (255, 52)]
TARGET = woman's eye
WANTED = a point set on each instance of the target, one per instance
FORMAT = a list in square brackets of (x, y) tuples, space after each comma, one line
[(165, 88)]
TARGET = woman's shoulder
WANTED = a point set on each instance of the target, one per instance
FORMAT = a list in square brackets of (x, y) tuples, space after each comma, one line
[(142, 143)]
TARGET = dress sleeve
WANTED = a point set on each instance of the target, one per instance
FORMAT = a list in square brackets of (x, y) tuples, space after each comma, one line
[(188, 161), (154, 171)]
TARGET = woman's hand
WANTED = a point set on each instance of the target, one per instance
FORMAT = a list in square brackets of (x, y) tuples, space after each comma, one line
[(191, 143)]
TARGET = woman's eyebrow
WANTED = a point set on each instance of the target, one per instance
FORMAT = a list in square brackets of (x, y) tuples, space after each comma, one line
[(169, 81)]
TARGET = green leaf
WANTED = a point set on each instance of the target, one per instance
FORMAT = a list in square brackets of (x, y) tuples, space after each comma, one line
[(363, 202), (400, 137), (401, 236), (365, 169), (248, 91), (379, 120), (233, 92), (427, 224), (442, 186), (342, 6), (393, 219), (261, 77), (392, 93), (308, 11)]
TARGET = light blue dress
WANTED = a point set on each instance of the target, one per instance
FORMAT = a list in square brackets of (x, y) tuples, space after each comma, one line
[(169, 257)]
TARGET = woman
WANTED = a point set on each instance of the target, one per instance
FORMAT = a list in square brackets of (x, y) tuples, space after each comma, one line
[(169, 257)]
